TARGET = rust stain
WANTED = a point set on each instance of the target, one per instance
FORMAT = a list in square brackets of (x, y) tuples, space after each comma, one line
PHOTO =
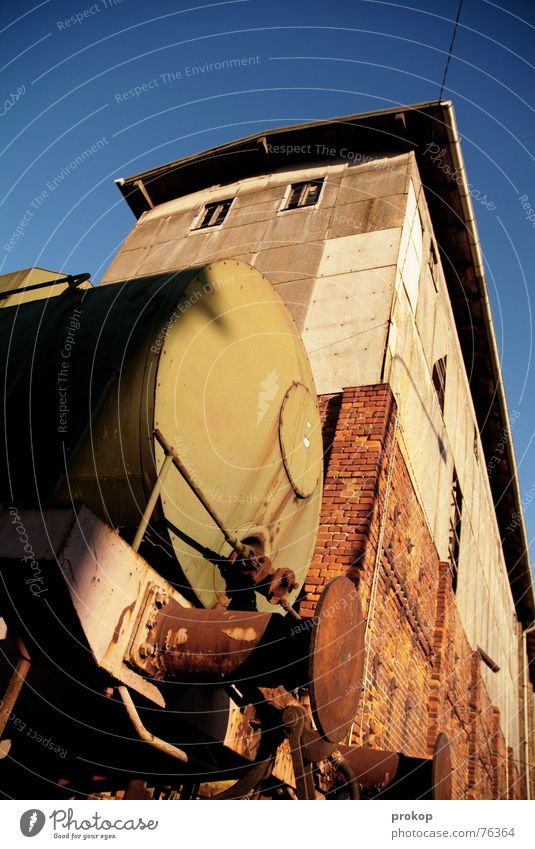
[(119, 626), (175, 638), (247, 635)]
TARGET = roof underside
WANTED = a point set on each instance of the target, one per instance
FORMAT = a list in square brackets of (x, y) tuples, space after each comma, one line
[(394, 130)]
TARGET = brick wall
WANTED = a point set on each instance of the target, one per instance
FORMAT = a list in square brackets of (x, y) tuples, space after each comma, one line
[(421, 675), (514, 783), (499, 758), (480, 767), (451, 678)]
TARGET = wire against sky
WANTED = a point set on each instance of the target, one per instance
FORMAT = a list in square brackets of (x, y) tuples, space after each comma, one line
[(450, 51)]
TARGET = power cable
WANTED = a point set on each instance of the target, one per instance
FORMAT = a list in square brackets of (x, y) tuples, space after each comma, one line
[(460, 6)]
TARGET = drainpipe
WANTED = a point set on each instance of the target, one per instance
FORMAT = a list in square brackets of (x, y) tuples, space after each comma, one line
[(525, 672), (454, 147)]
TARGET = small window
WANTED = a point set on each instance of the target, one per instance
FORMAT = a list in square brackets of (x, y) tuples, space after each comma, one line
[(304, 194), (439, 380), (213, 214), (454, 543)]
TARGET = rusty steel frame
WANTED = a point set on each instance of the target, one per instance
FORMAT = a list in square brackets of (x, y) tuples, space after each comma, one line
[(163, 637)]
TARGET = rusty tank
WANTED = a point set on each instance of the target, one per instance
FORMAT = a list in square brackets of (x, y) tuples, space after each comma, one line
[(161, 482)]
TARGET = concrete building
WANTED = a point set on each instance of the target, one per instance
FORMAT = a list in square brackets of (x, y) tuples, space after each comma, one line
[(365, 226)]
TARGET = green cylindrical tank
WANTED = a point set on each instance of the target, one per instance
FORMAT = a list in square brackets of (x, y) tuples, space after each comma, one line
[(210, 357)]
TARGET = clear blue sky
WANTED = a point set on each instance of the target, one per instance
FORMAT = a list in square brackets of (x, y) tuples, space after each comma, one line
[(62, 86)]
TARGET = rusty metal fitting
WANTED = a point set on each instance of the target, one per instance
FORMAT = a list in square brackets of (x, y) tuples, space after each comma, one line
[(274, 584), (147, 650), (281, 585), (161, 598)]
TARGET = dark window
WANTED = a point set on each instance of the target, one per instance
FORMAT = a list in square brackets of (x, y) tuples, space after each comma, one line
[(439, 380), (304, 194), (454, 544), (433, 265), (214, 214)]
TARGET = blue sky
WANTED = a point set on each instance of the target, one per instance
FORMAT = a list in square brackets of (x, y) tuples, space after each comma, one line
[(67, 65)]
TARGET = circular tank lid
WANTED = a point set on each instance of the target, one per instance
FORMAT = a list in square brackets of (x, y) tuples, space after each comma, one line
[(299, 438)]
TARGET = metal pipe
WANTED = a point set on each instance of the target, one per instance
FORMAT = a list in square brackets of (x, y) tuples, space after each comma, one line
[(525, 683), (151, 503), (177, 462), (144, 734), (188, 641), (351, 779), (15, 685)]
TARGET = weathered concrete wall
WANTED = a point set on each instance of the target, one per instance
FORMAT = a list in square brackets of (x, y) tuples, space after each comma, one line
[(434, 443), (333, 263)]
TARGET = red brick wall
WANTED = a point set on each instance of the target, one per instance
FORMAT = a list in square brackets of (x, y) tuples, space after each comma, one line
[(480, 766), (499, 758), (421, 676), (515, 785)]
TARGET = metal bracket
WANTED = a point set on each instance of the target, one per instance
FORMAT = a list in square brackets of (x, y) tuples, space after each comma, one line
[(140, 651), (295, 719)]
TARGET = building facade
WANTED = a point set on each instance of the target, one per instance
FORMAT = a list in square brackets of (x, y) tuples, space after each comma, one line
[(365, 227)]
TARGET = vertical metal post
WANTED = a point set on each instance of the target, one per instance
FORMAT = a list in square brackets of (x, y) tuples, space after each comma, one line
[(151, 503), (527, 699)]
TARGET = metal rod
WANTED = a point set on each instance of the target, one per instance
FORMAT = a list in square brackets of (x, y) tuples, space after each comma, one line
[(527, 702), (289, 609), (72, 280), (143, 733), (151, 503), (177, 462), (232, 541), (15, 685)]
